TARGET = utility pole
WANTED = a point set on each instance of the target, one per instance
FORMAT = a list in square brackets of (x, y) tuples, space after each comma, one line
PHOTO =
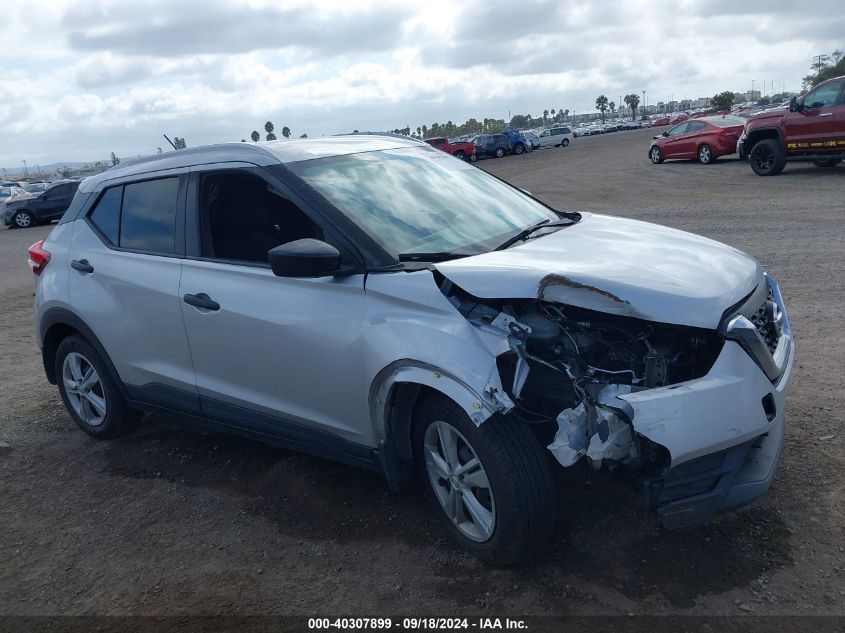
[(25, 172), (644, 103)]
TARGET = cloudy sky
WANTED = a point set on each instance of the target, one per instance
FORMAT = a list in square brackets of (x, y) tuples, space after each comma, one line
[(81, 79)]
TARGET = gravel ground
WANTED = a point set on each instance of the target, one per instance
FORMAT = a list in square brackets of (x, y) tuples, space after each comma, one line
[(170, 520)]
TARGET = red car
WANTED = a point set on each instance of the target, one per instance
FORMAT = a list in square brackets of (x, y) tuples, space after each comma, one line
[(705, 139), (663, 120)]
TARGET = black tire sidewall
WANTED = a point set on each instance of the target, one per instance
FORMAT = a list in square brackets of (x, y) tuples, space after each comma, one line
[(117, 415), (500, 152), (512, 540), (778, 160)]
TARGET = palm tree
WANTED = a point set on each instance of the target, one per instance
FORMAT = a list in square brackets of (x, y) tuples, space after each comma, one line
[(255, 136), (632, 101), (566, 113), (601, 105), (545, 114), (553, 114), (286, 131), (269, 128), (612, 107)]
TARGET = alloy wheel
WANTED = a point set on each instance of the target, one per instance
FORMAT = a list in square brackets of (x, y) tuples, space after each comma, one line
[(705, 154), (763, 157), (655, 155), (84, 389), (22, 219), (459, 481)]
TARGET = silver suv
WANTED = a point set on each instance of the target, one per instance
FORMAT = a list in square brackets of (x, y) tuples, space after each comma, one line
[(376, 301)]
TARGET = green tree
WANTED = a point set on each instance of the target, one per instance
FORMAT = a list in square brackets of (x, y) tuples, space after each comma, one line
[(632, 101), (269, 127), (553, 114), (286, 131), (565, 114), (825, 67), (179, 143), (158, 150), (723, 100), (612, 106), (424, 131), (601, 105), (545, 116), (255, 136), (303, 135), (114, 159)]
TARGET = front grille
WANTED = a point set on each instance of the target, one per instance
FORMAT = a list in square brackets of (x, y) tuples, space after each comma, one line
[(761, 320)]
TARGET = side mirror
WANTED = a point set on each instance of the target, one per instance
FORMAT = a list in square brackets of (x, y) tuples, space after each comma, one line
[(656, 137), (666, 133), (304, 258), (794, 105)]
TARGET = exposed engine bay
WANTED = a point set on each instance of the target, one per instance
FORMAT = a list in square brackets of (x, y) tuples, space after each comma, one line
[(567, 365)]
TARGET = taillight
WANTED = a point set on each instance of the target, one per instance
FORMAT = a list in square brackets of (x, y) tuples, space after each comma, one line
[(38, 257)]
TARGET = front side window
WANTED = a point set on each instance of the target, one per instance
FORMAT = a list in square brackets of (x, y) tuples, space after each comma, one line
[(417, 200), (148, 217), (824, 96), (678, 129)]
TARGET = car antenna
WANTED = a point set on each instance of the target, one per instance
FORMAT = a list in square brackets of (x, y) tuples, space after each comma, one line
[(169, 141)]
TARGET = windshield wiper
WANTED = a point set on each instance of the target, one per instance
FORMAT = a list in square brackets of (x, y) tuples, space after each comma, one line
[(439, 256), (524, 234)]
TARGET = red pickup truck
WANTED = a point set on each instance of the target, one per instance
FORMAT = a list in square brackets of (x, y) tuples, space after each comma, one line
[(811, 129), (464, 151)]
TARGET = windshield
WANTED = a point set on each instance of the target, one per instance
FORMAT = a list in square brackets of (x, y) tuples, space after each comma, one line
[(420, 200)]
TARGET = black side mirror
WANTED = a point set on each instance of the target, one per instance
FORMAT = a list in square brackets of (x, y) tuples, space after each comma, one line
[(304, 258), (666, 133), (794, 105)]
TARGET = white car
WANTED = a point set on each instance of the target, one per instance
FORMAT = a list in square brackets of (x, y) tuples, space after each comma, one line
[(335, 295), (556, 136)]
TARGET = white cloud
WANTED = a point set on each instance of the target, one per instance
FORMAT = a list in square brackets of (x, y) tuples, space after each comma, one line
[(84, 78)]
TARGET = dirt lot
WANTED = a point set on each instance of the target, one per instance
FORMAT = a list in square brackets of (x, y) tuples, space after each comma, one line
[(170, 520)]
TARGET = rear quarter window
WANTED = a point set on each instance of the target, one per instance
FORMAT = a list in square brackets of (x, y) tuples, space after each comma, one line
[(106, 214)]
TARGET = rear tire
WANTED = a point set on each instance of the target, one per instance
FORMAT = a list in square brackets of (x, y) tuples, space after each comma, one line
[(767, 157), (503, 508), (89, 392), (705, 155), (564, 142), (827, 163), (519, 148), (499, 152)]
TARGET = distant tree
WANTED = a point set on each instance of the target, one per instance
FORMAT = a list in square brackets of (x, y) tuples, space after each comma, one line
[(303, 136), (419, 132), (553, 114), (114, 159), (158, 150), (179, 143), (286, 131), (612, 106), (243, 140), (632, 101), (764, 101), (519, 121), (545, 116), (255, 136), (565, 113), (723, 101), (601, 105), (424, 131), (825, 67), (269, 127)]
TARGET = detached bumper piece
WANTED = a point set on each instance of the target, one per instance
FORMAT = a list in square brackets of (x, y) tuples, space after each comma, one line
[(694, 492)]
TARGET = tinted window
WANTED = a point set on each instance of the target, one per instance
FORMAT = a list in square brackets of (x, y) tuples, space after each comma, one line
[(678, 129), (59, 191), (106, 215), (148, 221), (823, 97), (695, 126)]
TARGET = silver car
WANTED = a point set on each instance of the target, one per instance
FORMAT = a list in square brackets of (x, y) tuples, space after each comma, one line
[(376, 301)]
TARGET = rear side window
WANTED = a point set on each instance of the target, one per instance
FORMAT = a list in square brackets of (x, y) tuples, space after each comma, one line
[(148, 217), (106, 215)]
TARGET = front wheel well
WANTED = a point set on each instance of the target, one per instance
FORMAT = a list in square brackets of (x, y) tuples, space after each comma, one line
[(758, 135)]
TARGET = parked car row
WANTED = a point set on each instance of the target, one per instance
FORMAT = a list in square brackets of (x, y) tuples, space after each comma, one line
[(21, 208), (811, 128), (501, 144)]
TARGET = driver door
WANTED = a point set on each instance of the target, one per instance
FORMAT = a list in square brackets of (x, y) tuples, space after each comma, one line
[(817, 128), (277, 356), (673, 146)]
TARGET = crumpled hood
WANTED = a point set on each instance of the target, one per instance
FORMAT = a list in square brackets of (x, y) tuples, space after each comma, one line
[(618, 266)]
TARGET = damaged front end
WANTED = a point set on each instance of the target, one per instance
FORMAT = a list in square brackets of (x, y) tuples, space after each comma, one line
[(570, 365)]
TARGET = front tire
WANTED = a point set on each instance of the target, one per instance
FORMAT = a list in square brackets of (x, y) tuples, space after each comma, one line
[(500, 152), (518, 148), (564, 142), (88, 391), (460, 154), (705, 155), (23, 220), (655, 155), (767, 157), (491, 485)]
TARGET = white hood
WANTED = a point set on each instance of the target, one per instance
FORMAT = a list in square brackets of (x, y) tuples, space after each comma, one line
[(617, 266)]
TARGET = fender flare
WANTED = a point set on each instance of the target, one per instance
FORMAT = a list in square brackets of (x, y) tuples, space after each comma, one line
[(63, 316), (755, 132)]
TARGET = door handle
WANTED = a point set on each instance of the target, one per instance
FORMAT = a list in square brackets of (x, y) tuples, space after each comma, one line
[(82, 266), (825, 114), (201, 300)]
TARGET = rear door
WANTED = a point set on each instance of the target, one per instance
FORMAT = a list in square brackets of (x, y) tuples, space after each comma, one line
[(124, 284), (687, 145), (815, 128)]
